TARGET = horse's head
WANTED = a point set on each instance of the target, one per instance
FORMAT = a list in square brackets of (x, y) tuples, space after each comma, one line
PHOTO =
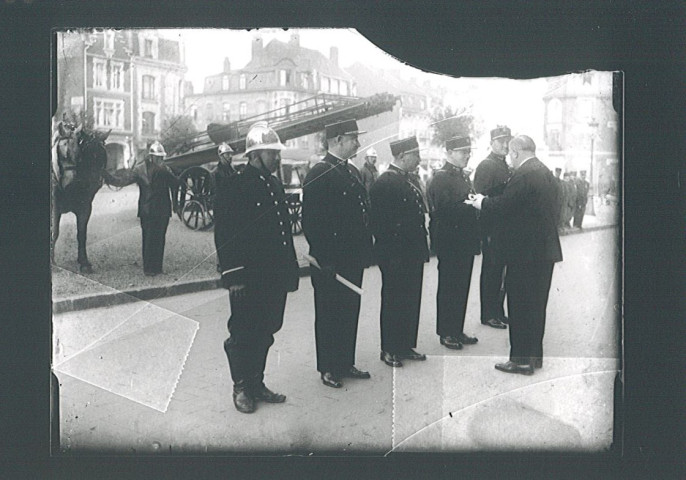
[(81, 148)]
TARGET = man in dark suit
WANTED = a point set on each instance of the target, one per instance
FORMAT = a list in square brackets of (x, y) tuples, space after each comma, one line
[(335, 219), (455, 239), (490, 178), (254, 244), (156, 183), (530, 246), (224, 169), (398, 223), (582, 187)]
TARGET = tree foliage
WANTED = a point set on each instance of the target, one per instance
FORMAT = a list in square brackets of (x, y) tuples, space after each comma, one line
[(450, 122), (177, 134)]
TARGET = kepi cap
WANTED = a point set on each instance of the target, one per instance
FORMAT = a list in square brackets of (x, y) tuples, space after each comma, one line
[(406, 145), (501, 131), (458, 143), (345, 127)]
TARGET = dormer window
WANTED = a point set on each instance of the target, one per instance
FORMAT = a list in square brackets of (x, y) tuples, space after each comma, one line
[(150, 48), (225, 82), (109, 41)]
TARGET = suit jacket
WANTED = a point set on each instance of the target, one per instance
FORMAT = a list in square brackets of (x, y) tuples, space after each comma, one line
[(252, 232), (490, 178), (526, 215), (157, 184), (398, 218), (582, 187), (453, 227), (335, 214)]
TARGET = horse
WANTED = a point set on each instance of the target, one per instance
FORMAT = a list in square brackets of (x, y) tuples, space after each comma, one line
[(81, 159)]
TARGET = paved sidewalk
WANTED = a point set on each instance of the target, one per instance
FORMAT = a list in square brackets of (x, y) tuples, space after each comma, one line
[(168, 286), (152, 377)]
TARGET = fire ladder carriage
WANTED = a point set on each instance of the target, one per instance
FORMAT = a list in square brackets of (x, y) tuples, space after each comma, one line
[(197, 158)]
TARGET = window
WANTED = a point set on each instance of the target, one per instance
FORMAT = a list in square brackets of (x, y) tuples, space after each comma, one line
[(149, 92), (99, 74), (243, 110), (148, 125), (117, 76), (109, 40), (334, 86), (344, 88), (242, 82), (306, 82), (148, 48), (194, 113), (225, 82), (209, 112), (226, 112), (109, 113), (325, 85), (282, 77)]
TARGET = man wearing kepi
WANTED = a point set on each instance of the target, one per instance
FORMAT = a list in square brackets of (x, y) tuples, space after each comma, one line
[(490, 178), (455, 239), (335, 219), (527, 211), (398, 223), (258, 263)]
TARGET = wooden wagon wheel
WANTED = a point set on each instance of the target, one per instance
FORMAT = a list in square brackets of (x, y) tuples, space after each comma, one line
[(295, 213), (194, 198)]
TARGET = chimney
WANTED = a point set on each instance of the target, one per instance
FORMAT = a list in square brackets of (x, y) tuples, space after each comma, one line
[(334, 55), (227, 65), (256, 47), (295, 40)]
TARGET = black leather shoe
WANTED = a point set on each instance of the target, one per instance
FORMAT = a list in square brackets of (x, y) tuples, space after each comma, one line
[(451, 342), (391, 359), (504, 320), (466, 339), (493, 322), (244, 402), (353, 372), (265, 395), (410, 354), (331, 380), (537, 362), (511, 367)]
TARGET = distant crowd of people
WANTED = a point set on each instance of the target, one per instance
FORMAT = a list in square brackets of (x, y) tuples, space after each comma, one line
[(574, 198)]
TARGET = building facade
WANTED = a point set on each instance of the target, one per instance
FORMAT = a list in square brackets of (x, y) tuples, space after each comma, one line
[(278, 75), (128, 81), (581, 127)]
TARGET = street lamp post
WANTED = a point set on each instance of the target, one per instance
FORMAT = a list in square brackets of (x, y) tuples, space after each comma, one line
[(593, 125)]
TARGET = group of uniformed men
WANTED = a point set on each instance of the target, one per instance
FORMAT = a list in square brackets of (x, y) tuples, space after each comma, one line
[(352, 218), (574, 197)]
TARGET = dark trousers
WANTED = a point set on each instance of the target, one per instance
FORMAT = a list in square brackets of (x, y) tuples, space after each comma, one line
[(454, 277), (528, 286), (491, 284), (579, 213), (337, 310), (401, 295), (254, 320), (154, 233)]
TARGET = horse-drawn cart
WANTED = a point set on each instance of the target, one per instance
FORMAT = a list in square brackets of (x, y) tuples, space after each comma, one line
[(197, 162)]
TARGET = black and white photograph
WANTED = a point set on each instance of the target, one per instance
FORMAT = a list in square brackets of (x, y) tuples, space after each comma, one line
[(277, 241)]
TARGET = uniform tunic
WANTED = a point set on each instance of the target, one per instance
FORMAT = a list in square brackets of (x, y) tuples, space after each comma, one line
[(255, 248), (369, 174), (156, 183), (455, 239), (490, 179), (335, 219), (398, 223), (527, 213)]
